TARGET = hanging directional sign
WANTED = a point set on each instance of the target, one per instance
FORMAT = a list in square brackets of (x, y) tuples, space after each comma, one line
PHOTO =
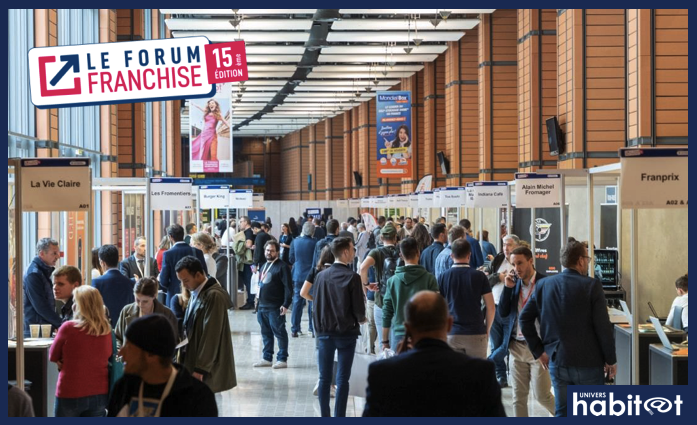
[(426, 200), (241, 198), (469, 195), (381, 201), (401, 201), (56, 184), (214, 197), (534, 190), (355, 203), (414, 200), (365, 202), (653, 178), (258, 200), (490, 194), (342, 203), (170, 194)]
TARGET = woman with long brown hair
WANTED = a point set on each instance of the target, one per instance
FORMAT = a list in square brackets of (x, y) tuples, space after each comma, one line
[(82, 349), (205, 146)]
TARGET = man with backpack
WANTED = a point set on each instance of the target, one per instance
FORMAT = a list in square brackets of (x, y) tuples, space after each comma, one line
[(376, 233), (406, 282), (332, 233), (385, 260)]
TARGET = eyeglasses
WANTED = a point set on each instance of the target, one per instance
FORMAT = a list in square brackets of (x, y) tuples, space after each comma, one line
[(586, 257)]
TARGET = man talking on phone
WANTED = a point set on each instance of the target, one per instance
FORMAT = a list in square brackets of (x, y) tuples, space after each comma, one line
[(518, 289)]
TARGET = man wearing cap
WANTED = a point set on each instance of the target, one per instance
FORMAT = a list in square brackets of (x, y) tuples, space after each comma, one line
[(152, 385)]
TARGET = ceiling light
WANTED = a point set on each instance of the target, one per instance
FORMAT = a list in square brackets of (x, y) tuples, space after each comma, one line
[(376, 82), (418, 41), (235, 21), (235, 11), (444, 14), (391, 64), (434, 22), (368, 89), (327, 15), (408, 50), (243, 89)]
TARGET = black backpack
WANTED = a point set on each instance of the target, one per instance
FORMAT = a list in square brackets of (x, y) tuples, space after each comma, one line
[(371, 241), (390, 262)]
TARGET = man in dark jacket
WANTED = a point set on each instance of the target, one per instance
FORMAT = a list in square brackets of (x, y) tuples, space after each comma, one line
[(431, 379), (440, 237), (302, 250), (65, 280), (39, 303), (133, 267), (332, 233), (320, 232), (525, 370), (339, 312), (575, 337), (477, 259), (115, 288), (275, 296), (169, 390), (179, 250), (260, 239)]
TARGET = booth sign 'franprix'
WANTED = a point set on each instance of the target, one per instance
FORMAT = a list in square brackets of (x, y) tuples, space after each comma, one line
[(131, 72), (654, 178)]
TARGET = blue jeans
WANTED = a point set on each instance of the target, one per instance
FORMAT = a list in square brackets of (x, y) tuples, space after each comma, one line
[(565, 376), (87, 407), (499, 338), (346, 346), (246, 277), (311, 326), (298, 306), (273, 324)]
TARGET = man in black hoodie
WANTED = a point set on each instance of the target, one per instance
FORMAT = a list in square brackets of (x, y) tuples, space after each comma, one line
[(152, 385)]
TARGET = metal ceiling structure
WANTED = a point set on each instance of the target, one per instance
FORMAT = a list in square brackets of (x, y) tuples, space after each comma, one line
[(306, 65)]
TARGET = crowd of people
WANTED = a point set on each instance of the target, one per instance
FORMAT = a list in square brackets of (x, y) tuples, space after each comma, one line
[(455, 320)]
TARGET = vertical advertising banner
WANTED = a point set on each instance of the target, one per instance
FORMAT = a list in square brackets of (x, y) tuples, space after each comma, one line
[(210, 132), (394, 134), (547, 234)]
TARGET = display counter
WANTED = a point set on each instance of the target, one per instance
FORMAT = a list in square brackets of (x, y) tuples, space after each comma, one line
[(667, 367), (38, 370), (623, 349)]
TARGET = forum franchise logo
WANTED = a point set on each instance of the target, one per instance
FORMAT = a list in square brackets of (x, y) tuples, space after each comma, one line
[(625, 401)]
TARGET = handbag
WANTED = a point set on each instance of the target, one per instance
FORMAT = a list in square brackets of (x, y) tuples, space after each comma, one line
[(115, 365)]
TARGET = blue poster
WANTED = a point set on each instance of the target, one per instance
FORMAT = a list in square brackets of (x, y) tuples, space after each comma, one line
[(394, 134)]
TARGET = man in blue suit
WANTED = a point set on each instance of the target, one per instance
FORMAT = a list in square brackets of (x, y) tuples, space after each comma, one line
[(477, 259), (302, 251), (431, 379), (519, 286), (115, 288), (179, 250), (576, 337)]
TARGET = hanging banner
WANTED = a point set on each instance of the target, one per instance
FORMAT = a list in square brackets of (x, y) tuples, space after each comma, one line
[(370, 222), (365, 202), (356, 203), (469, 195), (452, 197), (342, 203), (426, 200), (653, 178), (241, 198), (391, 201), (490, 195), (547, 233), (537, 190), (414, 200), (56, 184), (394, 141), (170, 194), (214, 197), (425, 184), (258, 200), (210, 132)]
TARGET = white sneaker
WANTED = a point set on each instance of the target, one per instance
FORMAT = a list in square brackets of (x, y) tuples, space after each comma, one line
[(280, 365), (263, 363), (315, 392), (332, 391)]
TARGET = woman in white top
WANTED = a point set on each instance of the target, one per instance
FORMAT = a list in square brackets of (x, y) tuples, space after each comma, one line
[(205, 243), (680, 301), (96, 268)]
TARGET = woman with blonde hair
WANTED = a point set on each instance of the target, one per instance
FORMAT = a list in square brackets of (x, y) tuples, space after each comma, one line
[(164, 246), (205, 243), (82, 349), (178, 304)]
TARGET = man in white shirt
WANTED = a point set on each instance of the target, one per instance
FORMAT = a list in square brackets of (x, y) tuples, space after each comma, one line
[(680, 301), (352, 228)]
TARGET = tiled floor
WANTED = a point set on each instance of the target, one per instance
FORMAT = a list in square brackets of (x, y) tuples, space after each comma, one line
[(287, 392)]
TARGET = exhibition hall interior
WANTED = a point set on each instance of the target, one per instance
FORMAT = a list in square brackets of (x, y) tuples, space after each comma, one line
[(346, 212)]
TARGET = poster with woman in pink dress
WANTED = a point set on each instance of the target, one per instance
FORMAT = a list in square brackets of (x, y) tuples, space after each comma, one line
[(210, 133)]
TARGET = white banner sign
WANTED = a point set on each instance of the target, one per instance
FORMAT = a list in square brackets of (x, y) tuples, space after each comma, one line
[(469, 196), (426, 200), (537, 190), (56, 184), (401, 201), (490, 194), (356, 203), (365, 202), (258, 200), (452, 197), (170, 194), (214, 197), (414, 200), (380, 201), (342, 203), (654, 178), (392, 201), (241, 198)]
